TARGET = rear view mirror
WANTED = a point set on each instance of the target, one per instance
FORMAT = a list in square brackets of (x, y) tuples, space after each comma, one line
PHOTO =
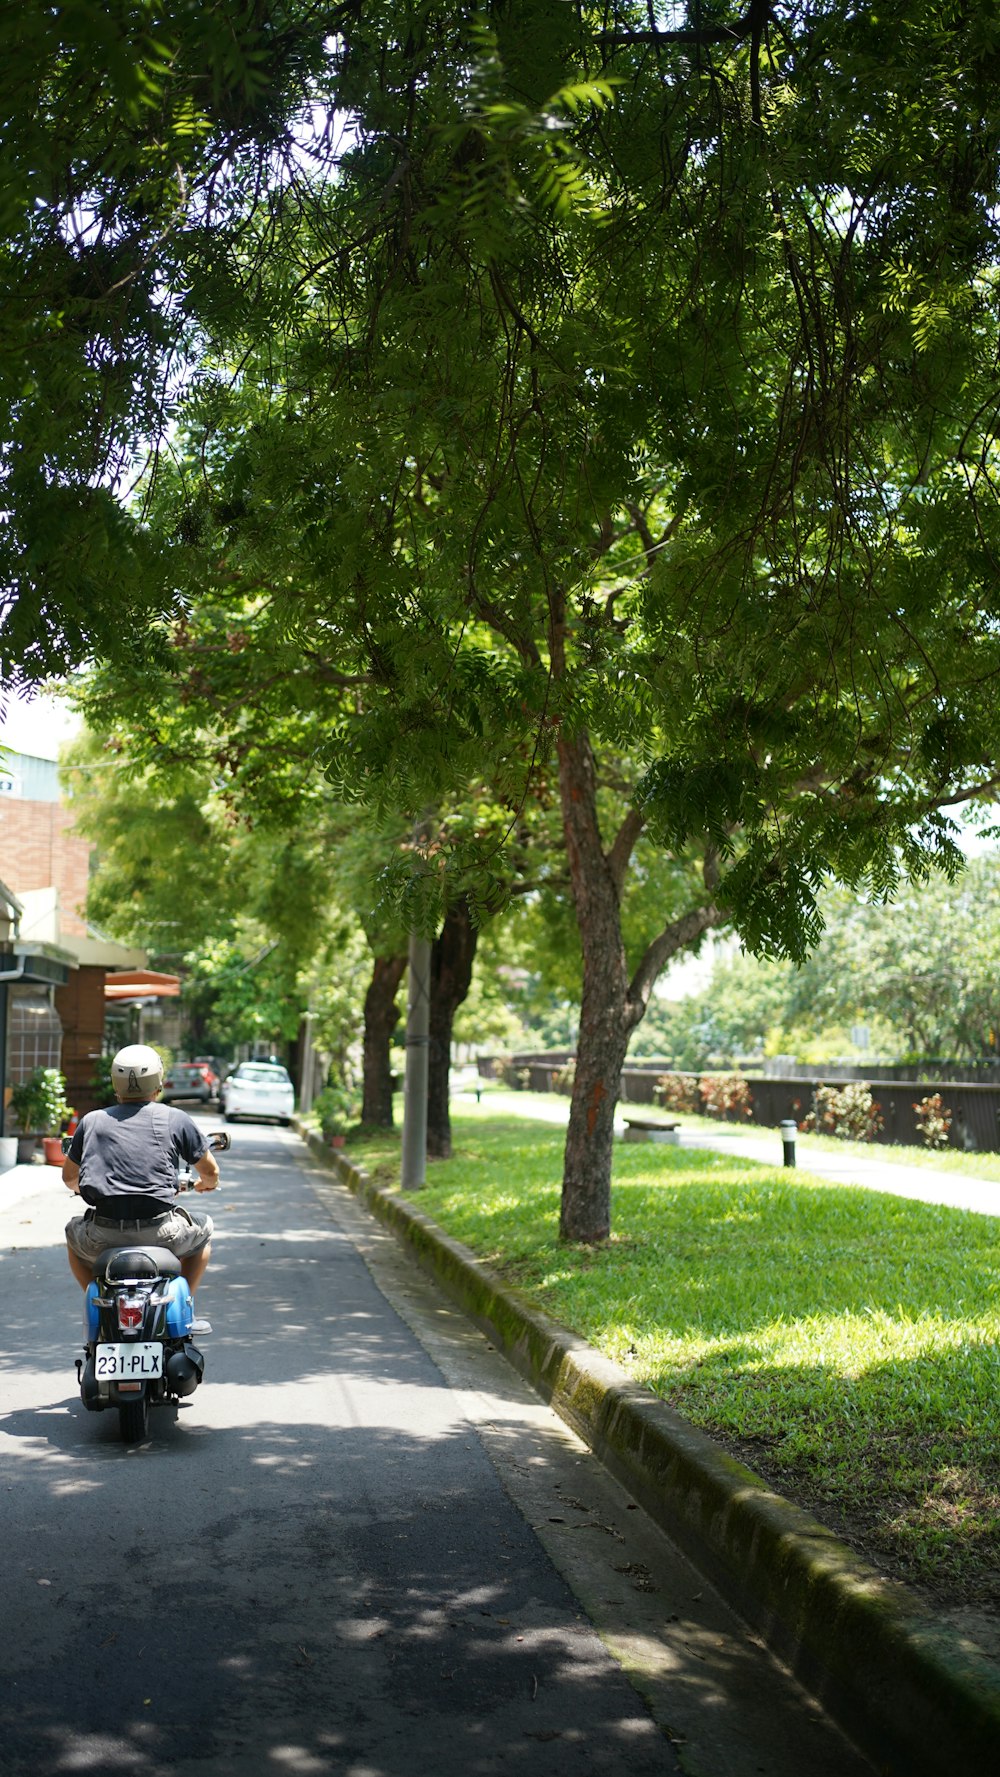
[(219, 1139)]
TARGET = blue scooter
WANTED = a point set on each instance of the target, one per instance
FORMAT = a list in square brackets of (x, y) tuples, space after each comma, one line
[(140, 1327)]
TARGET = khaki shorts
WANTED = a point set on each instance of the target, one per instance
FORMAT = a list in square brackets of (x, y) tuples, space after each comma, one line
[(182, 1231)]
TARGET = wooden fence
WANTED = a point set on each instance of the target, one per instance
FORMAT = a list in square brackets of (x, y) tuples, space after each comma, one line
[(974, 1104)]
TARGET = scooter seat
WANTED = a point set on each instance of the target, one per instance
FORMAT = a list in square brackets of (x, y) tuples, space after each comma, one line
[(118, 1264)]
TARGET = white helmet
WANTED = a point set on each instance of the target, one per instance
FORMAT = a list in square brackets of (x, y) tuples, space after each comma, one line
[(136, 1073)]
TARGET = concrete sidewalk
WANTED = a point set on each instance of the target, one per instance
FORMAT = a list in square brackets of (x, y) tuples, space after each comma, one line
[(913, 1692), (33, 1181)]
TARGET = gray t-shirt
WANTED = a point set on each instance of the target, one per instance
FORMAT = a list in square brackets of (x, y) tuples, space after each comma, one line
[(128, 1155)]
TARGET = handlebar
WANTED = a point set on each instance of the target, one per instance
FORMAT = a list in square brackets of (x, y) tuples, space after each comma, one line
[(219, 1139)]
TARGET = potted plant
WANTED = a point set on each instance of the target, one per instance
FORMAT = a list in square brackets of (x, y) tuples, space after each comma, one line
[(334, 1108), (39, 1104)]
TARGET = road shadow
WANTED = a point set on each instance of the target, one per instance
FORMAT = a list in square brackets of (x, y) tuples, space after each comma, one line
[(399, 1619)]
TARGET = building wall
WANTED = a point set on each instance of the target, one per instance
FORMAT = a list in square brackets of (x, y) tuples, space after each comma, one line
[(22, 774), (80, 1005), (38, 850)]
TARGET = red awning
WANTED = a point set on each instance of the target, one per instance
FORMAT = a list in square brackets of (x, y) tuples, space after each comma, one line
[(134, 984)]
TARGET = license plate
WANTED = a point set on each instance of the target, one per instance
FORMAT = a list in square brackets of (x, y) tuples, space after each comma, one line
[(129, 1363)]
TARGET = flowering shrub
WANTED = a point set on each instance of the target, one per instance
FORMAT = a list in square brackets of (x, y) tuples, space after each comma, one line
[(933, 1120), (678, 1092), (517, 1078), (847, 1111), (725, 1095)]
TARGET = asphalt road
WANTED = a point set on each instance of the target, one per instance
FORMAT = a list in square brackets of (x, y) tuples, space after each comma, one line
[(361, 1549)]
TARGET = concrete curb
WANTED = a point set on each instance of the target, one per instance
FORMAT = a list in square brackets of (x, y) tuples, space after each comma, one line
[(916, 1697)]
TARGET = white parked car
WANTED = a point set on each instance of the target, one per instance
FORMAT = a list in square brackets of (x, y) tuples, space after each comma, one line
[(258, 1089)]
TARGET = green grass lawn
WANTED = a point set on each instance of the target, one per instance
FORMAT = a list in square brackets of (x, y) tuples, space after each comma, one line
[(843, 1342)]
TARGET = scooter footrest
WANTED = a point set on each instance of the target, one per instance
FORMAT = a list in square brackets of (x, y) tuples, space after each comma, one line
[(201, 1326)]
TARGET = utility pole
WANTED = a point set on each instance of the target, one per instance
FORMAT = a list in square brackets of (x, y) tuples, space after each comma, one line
[(307, 1065), (418, 1014)]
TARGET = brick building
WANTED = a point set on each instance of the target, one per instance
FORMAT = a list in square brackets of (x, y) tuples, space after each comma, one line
[(40, 851), (54, 967)]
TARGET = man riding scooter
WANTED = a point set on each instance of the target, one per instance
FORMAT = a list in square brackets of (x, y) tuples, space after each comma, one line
[(123, 1162)]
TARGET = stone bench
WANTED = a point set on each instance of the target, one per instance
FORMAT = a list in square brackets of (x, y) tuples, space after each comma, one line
[(645, 1129)]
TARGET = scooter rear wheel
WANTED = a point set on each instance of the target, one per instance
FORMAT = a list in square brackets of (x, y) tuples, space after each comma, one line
[(133, 1419)]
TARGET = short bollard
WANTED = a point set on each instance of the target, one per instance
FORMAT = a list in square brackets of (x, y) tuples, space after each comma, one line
[(789, 1130)]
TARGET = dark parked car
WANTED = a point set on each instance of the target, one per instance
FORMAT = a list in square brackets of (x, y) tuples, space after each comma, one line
[(190, 1080)]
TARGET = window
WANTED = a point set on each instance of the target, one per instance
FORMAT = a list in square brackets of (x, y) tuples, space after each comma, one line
[(34, 1035)]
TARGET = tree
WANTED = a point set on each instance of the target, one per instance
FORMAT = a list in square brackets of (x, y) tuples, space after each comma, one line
[(249, 914), (926, 968), (921, 974), (161, 792), (682, 353), (771, 577), (381, 1016), (452, 957), (128, 131)]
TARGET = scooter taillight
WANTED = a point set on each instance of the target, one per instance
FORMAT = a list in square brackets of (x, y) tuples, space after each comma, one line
[(129, 1315)]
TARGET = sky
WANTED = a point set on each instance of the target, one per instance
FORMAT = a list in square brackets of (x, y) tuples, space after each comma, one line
[(37, 727)]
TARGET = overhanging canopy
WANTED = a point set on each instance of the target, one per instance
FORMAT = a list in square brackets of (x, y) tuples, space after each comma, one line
[(132, 984)]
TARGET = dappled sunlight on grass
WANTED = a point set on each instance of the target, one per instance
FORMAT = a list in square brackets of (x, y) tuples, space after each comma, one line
[(844, 1342)]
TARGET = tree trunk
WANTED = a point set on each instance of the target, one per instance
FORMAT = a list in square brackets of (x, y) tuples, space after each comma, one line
[(604, 1022), (381, 1017), (452, 957), (612, 1004)]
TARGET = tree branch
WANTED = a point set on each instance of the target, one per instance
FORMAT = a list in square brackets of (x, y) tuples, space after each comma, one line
[(537, 885), (623, 847), (733, 34), (497, 619), (679, 935)]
